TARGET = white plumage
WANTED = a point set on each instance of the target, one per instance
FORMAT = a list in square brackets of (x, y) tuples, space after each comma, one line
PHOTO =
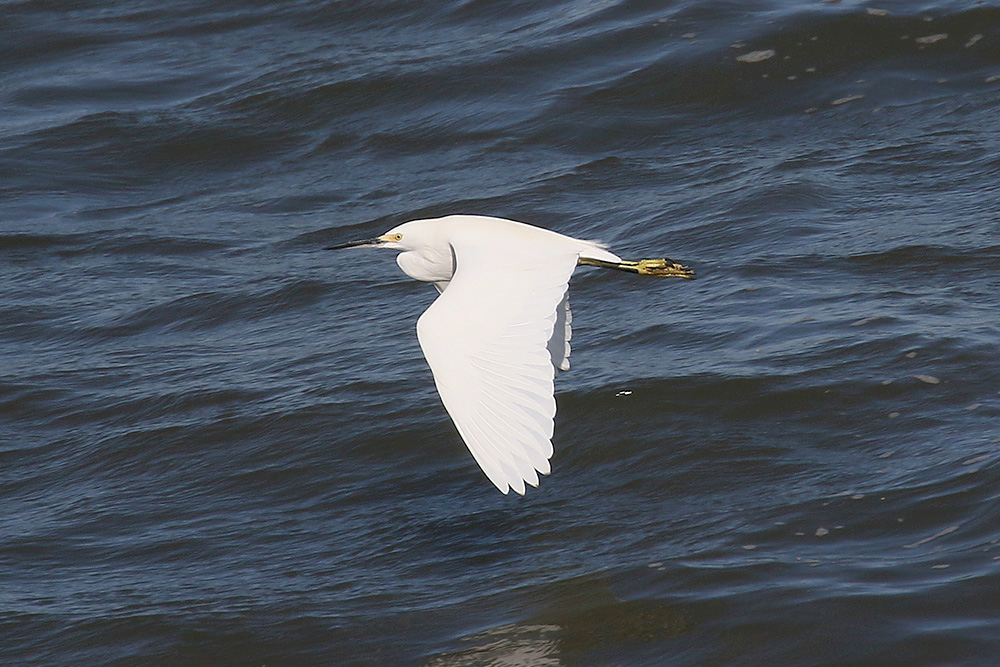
[(498, 330)]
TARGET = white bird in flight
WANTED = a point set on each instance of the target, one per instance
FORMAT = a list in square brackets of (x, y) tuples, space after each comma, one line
[(500, 328)]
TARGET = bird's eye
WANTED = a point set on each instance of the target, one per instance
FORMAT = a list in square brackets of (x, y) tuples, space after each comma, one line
[(397, 237)]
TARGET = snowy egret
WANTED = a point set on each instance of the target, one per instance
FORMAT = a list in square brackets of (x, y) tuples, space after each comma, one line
[(500, 328)]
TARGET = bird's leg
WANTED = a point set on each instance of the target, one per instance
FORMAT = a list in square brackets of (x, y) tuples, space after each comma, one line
[(661, 268)]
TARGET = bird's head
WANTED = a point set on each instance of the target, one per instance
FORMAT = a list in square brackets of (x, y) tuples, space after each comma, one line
[(404, 237), (424, 251), (392, 239)]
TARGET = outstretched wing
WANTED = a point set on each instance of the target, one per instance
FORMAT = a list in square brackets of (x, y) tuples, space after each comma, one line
[(486, 340)]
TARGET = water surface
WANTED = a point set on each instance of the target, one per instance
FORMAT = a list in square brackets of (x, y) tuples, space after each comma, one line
[(219, 444)]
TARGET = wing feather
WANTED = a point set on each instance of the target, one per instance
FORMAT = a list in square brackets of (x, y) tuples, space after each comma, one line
[(486, 339), (562, 333)]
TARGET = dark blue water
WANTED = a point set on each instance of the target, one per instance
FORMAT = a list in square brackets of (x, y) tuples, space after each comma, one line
[(220, 444)]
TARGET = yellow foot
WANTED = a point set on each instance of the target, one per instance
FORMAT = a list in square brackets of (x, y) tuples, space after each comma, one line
[(662, 268)]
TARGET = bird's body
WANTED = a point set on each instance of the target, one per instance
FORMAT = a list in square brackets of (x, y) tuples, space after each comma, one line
[(499, 329), (432, 256)]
